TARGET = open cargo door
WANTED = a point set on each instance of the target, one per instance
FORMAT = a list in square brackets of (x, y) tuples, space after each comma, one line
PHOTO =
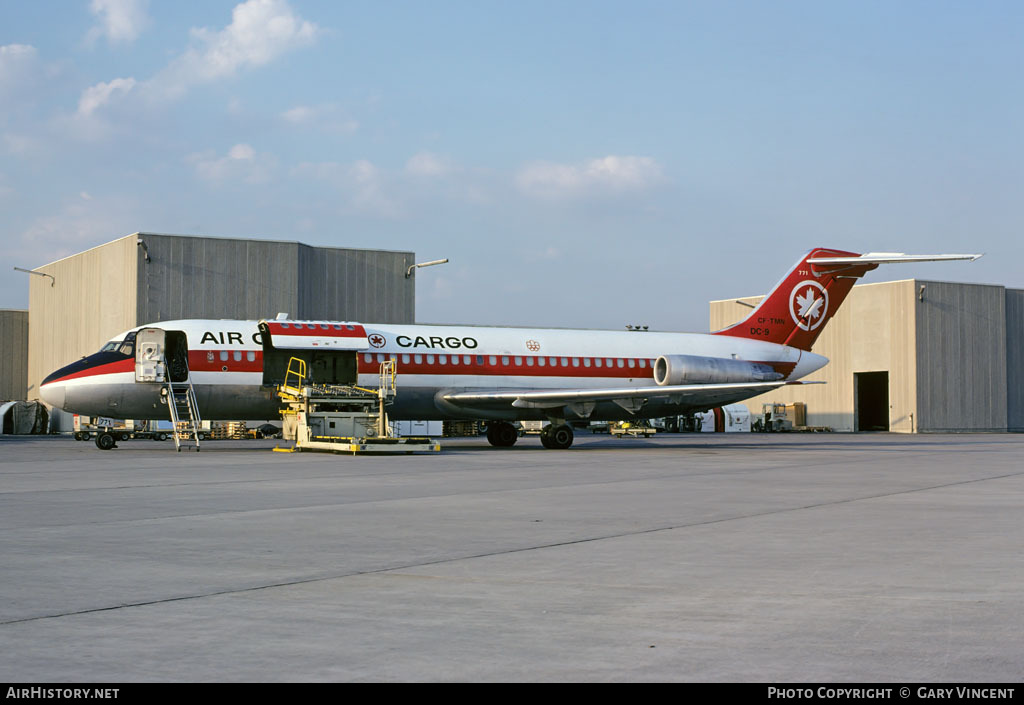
[(328, 348)]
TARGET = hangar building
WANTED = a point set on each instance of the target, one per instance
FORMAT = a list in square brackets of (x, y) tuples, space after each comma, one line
[(13, 354), (88, 298), (912, 356)]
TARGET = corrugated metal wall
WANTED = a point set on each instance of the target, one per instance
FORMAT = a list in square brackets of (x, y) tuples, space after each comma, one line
[(961, 372), (872, 332), (1015, 359), (201, 277), (92, 299), (195, 277), (367, 285), (13, 354)]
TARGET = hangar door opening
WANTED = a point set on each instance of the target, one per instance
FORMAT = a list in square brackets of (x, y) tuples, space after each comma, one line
[(871, 401)]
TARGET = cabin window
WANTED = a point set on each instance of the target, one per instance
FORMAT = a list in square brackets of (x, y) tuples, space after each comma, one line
[(632, 362), (405, 359), (586, 362), (368, 357), (642, 363), (238, 356), (418, 359), (455, 359), (324, 326), (285, 325), (250, 356), (529, 361), (620, 362), (479, 359), (442, 359), (430, 359), (492, 359), (598, 362), (223, 355), (337, 326), (351, 327), (504, 360), (518, 361), (575, 362)]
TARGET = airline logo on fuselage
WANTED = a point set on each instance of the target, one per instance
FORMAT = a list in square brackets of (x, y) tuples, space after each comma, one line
[(227, 337), (449, 342)]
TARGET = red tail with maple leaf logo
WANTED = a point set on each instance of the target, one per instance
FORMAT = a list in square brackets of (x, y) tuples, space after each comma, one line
[(795, 311)]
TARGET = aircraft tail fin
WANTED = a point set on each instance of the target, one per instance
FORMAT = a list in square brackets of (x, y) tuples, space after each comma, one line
[(796, 310)]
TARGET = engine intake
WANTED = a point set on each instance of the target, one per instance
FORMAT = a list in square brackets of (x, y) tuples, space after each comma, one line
[(693, 369)]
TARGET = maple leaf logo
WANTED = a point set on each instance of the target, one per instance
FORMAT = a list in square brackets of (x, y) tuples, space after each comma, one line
[(809, 307), (808, 304)]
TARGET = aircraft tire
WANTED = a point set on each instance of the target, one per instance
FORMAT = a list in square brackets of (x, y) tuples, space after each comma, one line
[(502, 435), (105, 440), (560, 437)]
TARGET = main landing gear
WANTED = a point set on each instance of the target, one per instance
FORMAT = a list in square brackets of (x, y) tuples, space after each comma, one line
[(557, 436), (502, 435)]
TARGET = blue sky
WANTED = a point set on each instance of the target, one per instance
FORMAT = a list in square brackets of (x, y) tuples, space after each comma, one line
[(580, 163)]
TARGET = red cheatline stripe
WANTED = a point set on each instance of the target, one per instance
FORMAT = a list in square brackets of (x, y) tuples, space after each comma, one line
[(511, 370), (127, 365), (210, 361)]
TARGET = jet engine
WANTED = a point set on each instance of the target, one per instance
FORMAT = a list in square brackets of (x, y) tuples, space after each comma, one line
[(693, 369)]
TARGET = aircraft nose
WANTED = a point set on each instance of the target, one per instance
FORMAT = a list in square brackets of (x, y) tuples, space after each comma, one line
[(54, 394)]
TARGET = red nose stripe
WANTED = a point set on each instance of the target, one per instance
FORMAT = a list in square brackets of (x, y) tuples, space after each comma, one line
[(127, 365)]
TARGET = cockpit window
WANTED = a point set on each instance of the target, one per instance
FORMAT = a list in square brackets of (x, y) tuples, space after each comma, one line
[(128, 344), (111, 346)]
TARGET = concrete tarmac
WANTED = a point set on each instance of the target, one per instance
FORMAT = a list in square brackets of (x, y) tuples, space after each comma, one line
[(707, 557)]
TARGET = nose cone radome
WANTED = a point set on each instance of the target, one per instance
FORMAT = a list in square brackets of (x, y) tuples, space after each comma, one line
[(54, 394)]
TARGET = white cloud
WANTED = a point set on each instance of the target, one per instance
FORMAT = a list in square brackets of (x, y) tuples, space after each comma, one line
[(241, 163), (18, 64), (21, 144), (100, 94), (119, 20), (326, 118), (362, 185), (260, 31), (427, 164), (612, 174)]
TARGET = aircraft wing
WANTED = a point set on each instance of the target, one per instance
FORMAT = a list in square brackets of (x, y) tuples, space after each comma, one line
[(629, 398)]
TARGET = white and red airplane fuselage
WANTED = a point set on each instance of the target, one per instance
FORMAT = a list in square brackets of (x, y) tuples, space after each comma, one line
[(226, 363), (497, 373)]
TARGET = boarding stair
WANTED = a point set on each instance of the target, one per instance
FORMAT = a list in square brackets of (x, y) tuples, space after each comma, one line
[(184, 409)]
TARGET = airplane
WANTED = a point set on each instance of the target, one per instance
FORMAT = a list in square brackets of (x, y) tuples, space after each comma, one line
[(498, 374)]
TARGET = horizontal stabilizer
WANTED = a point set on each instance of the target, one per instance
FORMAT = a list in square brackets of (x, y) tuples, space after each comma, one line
[(888, 258)]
